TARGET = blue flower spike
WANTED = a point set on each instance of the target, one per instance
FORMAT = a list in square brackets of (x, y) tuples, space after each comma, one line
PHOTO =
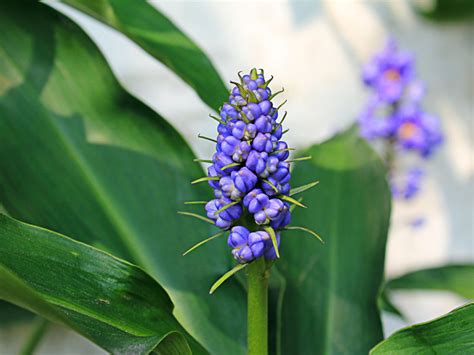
[(394, 114), (250, 174)]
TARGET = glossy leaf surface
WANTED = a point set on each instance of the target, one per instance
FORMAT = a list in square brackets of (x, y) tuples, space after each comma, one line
[(80, 156), (111, 302), (157, 35)]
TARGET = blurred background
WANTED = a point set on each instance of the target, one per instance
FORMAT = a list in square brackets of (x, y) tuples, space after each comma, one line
[(315, 49)]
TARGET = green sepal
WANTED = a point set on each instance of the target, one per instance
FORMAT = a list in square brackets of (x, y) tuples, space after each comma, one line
[(300, 189), (195, 202), (202, 242), (292, 200), (275, 94), (271, 185), (206, 138), (265, 85), (253, 74), (271, 231), (224, 277), (230, 165), (307, 230), (205, 178), (222, 209), (195, 215), (282, 150)]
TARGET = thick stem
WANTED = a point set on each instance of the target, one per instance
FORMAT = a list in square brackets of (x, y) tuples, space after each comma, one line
[(257, 307)]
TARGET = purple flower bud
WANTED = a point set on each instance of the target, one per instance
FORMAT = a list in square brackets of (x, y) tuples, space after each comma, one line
[(271, 211), (211, 171), (270, 167), (262, 94), (235, 148), (244, 180), (242, 130), (264, 124), (238, 237), (228, 188), (255, 200), (243, 255), (220, 160), (283, 188), (282, 173), (282, 155), (283, 219), (254, 110), (265, 107), (235, 91), (270, 252), (252, 85), (264, 142), (231, 213), (279, 132), (228, 111), (257, 161), (256, 241)]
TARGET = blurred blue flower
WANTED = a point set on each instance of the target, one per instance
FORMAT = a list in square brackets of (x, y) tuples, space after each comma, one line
[(393, 113)]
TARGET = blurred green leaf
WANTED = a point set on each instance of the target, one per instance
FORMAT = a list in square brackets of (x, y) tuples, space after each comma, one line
[(455, 278), (449, 334), (330, 301), (109, 301), (445, 10), (10, 313), (385, 304), (80, 156), (156, 34)]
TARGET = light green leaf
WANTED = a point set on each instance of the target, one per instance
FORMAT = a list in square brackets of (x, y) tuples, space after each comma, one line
[(157, 35), (109, 301), (455, 278), (80, 156), (449, 334), (330, 302)]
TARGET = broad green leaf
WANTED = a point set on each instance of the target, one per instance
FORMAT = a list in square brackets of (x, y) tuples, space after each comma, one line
[(449, 334), (80, 156), (157, 35), (113, 303), (455, 278), (330, 301)]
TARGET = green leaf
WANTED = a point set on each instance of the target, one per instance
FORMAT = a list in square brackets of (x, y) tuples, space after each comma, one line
[(226, 276), (449, 334), (111, 302), (157, 35), (330, 302), (454, 278), (80, 156)]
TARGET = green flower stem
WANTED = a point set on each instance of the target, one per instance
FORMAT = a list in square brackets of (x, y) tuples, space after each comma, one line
[(257, 307)]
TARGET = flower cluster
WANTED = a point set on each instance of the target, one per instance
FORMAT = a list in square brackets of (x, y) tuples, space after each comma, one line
[(249, 172), (394, 113)]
